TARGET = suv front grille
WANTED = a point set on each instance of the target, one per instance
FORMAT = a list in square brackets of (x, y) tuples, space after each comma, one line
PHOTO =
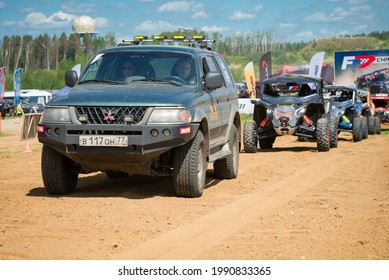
[(110, 115)]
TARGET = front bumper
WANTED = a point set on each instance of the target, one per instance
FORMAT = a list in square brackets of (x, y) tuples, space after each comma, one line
[(141, 149)]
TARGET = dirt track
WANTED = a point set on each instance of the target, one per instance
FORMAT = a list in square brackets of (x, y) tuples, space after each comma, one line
[(290, 202)]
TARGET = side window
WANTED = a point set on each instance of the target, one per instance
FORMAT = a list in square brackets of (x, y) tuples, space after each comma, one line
[(226, 73), (208, 65)]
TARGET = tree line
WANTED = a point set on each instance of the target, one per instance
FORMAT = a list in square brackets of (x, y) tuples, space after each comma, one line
[(44, 59)]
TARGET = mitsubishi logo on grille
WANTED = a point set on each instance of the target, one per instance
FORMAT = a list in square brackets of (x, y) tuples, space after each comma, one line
[(109, 117)]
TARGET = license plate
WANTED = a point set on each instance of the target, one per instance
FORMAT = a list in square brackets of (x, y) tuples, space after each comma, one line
[(103, 140)]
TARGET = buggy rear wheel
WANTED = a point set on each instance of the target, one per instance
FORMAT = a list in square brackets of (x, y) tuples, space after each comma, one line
[(357, 129)]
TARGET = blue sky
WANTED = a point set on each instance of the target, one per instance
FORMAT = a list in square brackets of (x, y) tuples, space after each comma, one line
[(292, 20)]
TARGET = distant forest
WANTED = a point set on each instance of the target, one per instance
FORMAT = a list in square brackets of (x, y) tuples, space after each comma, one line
[(45, 59)]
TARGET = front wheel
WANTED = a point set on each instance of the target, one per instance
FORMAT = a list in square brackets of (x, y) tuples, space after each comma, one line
[(59, 173), (323, 135), (190, 167), (377, 126), (227, 168), (334, 131)]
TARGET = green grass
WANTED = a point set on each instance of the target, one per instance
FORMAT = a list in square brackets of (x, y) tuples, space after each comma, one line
[(244, 118)]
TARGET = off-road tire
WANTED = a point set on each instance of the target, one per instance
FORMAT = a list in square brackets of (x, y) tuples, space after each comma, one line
[(371, 125), (267, 143), (323, 135), (59, 173), (357, 129), (227, 168), (190, 167), (334, 131), (377, 125), (365, 129), (250, 137)]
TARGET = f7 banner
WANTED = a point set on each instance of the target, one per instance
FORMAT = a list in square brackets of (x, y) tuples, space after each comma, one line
[(349, 65)]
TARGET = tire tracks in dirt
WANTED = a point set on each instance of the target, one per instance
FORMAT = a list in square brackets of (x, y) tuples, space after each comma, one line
[(191, 240)]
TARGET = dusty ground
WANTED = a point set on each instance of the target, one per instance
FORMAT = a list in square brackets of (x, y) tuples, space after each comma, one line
[(290, 202)]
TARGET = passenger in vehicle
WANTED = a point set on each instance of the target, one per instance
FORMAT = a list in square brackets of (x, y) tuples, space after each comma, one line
[(183, 69), (305, 90)]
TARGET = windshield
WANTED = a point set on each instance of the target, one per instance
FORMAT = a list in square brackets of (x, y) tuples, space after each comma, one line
[(293, 89), (137, 66)]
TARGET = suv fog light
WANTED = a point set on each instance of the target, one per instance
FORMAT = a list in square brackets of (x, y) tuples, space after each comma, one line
[(166, 132), (154, 132), (57, 131)]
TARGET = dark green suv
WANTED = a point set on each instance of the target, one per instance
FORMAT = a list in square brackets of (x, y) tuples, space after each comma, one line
[(153, 122)]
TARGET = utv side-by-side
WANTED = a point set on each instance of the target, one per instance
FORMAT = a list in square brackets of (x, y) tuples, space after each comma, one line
[(290, 104), (352, 114)]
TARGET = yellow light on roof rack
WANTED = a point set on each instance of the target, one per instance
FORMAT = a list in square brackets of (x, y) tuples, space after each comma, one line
[(140, 38), (178, 37), (159, 37), (198, 37)]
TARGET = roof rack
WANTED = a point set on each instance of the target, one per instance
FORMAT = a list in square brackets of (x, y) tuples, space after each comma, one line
[(198, 41)]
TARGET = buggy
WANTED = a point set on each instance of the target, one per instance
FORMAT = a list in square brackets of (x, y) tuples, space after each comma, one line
[(351, 113), (290, 104)]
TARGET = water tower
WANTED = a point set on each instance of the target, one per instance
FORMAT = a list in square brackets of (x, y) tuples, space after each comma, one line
[(83, 25)]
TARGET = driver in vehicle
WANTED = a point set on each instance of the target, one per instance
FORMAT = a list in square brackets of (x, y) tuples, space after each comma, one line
[(128, 68)]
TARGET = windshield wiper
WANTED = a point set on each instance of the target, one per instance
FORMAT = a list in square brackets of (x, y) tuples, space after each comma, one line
[(103, 82), (153, 80)]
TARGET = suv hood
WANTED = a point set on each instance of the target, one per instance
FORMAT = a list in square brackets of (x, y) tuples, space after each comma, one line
[(140, 94)]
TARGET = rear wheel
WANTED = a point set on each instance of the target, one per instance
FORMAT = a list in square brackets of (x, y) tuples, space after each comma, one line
[(365, 129), (267, 143), (250, 137), (371, 124), (59, 173), (377, 126), (227, 168), (190, 167), (323, 135), (357, 129)]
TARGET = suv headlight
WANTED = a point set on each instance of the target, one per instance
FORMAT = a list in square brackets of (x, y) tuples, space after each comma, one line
[(170, 115), (56, 114)]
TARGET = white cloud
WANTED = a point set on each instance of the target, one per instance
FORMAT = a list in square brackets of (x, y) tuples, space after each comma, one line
[(179, 6), (258, 8), (288, 25), (58, 19), (306, 34), (199, 15), (213, 28), (155, 27), (77, 8), (240, 15), (101, 22), (2, 4)]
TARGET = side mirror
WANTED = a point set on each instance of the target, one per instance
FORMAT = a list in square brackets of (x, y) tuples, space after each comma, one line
[(213, 80), (71, 78)]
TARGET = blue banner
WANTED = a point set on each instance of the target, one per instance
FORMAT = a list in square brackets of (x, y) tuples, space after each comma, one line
[(349, 65), (17, 85)]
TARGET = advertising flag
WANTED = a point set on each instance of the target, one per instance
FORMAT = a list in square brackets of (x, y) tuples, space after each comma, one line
[(250, 78), (17, 85), (316, 64), (2, 83), (265, 66)]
